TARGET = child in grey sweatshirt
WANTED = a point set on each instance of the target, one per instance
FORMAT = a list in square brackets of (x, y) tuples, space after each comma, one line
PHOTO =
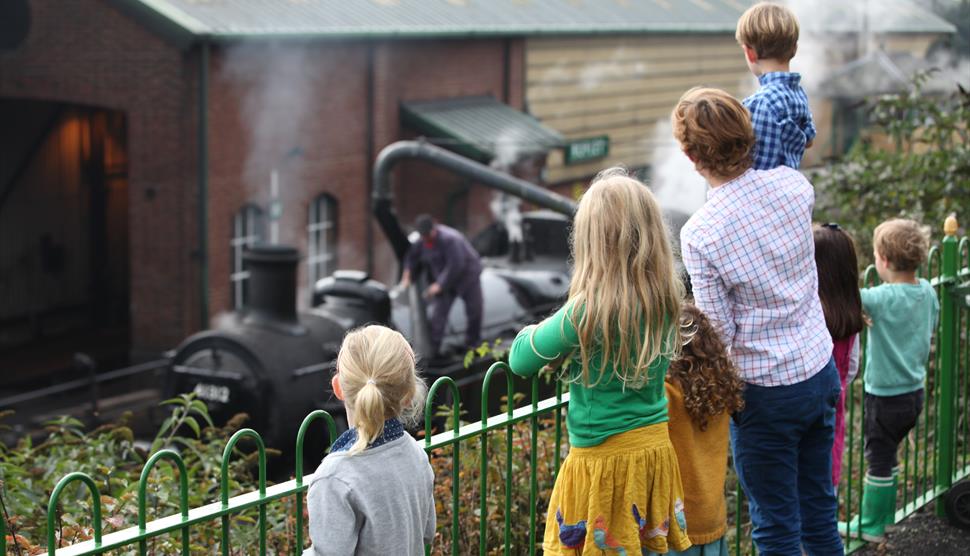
[(374, 493)]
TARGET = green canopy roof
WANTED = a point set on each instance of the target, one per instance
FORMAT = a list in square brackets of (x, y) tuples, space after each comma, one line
[(480, 127)]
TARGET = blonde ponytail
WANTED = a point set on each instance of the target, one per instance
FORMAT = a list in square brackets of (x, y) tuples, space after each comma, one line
[(377, 373), (368, 415)]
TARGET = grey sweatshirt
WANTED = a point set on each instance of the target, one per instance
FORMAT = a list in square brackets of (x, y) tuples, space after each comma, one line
[(376, 502)]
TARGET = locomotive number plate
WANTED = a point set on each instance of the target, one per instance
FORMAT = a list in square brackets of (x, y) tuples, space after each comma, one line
[(212, 392)]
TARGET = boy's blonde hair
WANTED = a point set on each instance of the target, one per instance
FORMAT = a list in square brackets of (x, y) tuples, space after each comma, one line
[(902, 243), (770, 29), (714, 129), (377, 373), (625, 292)]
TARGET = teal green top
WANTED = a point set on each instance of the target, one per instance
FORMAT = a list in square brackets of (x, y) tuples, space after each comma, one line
[(600, 411), (903, 318)]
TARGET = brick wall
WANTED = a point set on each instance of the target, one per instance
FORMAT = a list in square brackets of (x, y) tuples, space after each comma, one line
[(85, 52), (266, 102), (332, 138)]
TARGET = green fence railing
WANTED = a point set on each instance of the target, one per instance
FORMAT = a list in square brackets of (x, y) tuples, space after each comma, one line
[(481, 466)]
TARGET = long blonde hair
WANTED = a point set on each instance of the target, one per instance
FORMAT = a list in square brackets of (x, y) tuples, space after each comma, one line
[(379, 379), (624, 280)]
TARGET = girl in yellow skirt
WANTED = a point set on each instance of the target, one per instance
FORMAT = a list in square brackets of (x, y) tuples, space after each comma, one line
[(619, 489)]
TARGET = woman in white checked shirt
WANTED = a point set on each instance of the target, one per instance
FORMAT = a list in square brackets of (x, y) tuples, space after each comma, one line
[(751, 259)]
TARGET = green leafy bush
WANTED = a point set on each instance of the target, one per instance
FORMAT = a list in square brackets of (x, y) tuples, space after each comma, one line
[(469, 512), (109, 455), (913, 161)]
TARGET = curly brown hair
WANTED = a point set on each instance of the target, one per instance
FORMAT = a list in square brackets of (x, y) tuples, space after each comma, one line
[(704, 372), (714, 131)]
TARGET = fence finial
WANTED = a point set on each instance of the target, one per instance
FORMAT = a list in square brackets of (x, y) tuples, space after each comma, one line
[(950, 225)]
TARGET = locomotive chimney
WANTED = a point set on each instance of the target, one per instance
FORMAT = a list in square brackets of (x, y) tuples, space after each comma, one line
[(272, 288)]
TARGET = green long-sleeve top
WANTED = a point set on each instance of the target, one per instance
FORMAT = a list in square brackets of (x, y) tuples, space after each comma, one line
[(607, 407)]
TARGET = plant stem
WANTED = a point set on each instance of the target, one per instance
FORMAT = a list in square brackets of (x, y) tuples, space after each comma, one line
[(6, 516)]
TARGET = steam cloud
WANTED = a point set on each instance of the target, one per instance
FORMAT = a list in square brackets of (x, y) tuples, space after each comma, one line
[(673, 177), (278, 95)]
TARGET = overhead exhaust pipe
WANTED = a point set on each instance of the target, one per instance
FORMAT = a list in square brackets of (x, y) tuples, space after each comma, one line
[(437, 156)]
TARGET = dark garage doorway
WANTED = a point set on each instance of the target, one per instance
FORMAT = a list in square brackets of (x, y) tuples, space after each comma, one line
[(64, 279)]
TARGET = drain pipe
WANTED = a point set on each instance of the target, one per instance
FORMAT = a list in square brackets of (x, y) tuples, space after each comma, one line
[(203, 185), (382, 205)]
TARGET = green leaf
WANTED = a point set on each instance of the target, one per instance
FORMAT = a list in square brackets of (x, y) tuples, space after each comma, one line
[(194, 425), (166, 424), (173, 401), (200, 409)]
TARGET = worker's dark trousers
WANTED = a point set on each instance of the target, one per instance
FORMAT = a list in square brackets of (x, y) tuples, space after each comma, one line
[(469, 289)]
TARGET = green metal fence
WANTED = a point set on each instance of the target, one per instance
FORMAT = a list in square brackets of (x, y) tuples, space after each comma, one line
[(527, 443)]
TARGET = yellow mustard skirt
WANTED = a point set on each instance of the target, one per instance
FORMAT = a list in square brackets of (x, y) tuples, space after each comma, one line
[(618, 498)]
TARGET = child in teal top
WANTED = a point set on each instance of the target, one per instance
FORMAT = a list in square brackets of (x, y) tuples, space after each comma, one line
[(903, 312), (903, 316), (619, 488)]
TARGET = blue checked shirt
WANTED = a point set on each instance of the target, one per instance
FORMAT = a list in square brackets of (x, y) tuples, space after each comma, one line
[(751, 258), (782, 121)]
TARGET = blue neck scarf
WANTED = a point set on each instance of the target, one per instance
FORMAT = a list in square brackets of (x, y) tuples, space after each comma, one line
[(393, 429)]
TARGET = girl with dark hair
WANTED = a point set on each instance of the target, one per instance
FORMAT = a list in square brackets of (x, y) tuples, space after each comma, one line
[(838, 289)]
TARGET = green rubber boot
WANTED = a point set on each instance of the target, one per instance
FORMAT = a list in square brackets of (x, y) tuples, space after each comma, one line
[(878, 510)]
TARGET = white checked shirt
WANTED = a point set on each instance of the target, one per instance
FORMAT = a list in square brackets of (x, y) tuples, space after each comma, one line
[(751, 258)]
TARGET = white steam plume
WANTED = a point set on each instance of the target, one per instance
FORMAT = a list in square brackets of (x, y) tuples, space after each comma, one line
[(673, 177), (278, 95)]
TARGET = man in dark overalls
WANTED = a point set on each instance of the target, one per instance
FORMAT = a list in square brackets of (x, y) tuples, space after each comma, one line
[(456, 270)]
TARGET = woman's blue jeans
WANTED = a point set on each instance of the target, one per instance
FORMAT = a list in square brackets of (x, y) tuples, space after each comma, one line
[(782, 446)]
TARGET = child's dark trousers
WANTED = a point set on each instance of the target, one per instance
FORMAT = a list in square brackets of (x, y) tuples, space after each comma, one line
[(888, 420)]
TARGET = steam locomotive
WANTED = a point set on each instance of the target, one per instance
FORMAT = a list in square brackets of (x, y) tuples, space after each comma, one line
[(274, 363)]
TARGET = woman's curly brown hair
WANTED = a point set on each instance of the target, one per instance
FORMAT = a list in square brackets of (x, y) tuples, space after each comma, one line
[(704, 372)]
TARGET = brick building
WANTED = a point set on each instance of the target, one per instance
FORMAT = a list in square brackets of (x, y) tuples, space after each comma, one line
[(126, 78), (149, 141)]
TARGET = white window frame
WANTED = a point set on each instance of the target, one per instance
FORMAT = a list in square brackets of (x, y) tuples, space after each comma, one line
[(247, 230), (321, 237)]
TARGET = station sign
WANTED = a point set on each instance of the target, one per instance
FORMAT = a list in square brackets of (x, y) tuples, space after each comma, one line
[(585, 150)]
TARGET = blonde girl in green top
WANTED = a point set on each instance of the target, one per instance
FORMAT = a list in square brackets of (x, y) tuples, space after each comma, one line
[(619, 488)]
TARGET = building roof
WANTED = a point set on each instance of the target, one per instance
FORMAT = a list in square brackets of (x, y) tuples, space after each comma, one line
[(238, 19), (480, 127)]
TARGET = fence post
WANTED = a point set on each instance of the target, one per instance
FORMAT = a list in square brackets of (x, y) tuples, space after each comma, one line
[(947, 371)]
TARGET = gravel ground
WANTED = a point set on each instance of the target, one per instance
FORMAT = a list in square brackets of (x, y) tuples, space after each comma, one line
[(922, 534)]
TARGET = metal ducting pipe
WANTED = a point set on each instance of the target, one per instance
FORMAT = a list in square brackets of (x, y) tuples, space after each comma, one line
[(489, 177)]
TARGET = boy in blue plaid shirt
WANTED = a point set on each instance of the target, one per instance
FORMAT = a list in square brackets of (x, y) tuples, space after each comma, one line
[(768, 34)]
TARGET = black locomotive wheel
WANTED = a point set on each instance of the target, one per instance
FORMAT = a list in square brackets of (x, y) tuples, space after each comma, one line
[(957, 505)]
